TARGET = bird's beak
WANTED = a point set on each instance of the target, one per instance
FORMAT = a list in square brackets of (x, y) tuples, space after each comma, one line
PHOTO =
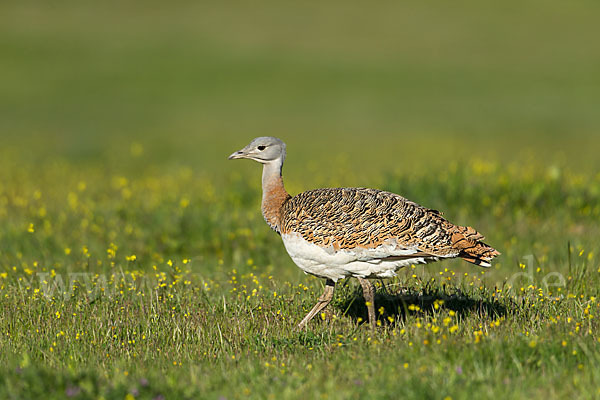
[(236, 155)]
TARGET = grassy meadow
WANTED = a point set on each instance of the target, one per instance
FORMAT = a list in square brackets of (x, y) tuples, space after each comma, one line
[(135, 264)]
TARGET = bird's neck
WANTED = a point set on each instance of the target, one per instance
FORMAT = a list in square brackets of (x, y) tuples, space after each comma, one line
[(274, 193)]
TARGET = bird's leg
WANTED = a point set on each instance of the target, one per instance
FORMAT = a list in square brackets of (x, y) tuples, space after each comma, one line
[(324, 300), (369, 295)]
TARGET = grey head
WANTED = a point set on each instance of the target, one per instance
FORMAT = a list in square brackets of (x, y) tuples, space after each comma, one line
[(264, 149)]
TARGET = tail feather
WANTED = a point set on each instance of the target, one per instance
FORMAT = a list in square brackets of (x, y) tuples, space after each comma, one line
[(471, 247)]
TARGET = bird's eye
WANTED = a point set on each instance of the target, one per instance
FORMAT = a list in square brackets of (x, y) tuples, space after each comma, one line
[(261, 148)]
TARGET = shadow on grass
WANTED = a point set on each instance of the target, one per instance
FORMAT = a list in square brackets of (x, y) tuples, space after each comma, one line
[(399, 304)]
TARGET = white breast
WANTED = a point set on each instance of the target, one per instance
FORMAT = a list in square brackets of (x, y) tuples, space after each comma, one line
[(325, 262)]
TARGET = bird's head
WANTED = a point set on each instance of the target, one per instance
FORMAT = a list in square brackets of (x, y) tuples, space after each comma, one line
[(265, 150)]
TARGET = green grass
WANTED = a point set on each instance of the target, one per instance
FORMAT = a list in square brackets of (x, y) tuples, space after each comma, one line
[(208, 305), (134, 262)]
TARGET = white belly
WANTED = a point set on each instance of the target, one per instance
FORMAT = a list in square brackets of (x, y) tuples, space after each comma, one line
[(325, 262)]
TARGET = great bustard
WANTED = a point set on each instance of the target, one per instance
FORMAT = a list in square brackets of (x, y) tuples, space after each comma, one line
[(355, 232)]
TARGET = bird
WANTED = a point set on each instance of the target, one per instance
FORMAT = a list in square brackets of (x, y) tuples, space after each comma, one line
[(337, 233)]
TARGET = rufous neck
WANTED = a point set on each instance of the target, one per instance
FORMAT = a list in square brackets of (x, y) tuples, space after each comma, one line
[(271, 173), (274, 193)]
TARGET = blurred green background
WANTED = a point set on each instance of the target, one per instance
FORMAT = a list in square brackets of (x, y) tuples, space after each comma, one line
[(378, 86)]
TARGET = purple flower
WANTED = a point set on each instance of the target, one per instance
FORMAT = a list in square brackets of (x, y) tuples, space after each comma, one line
[(72, 391)]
